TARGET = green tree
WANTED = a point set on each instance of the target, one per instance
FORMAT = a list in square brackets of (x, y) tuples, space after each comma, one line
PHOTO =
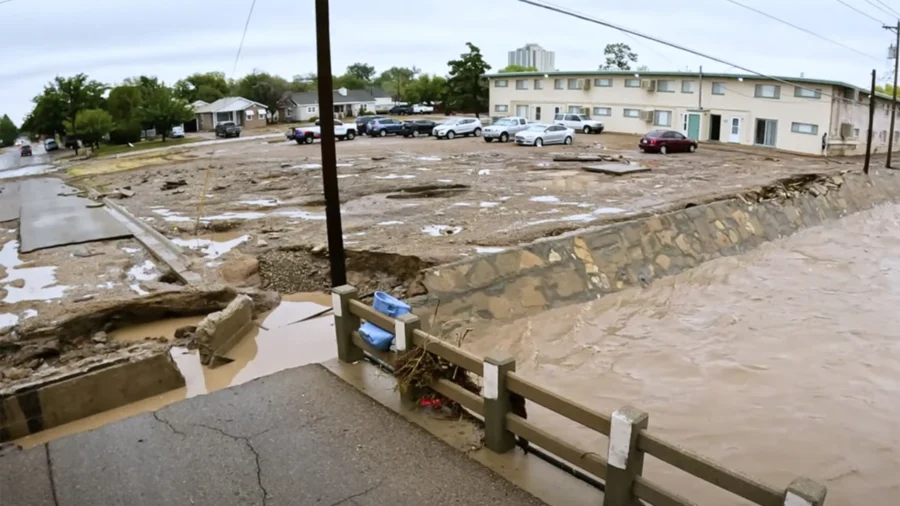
[(301, 84), (163, 110), (262, 87), (426, 89), (467, 89), (78, 93), (92, 125), (395, 79), (8, 131), (887, 89), (124, 102), (619, 56), (48, 116), (205, 86), (517, 68), (350, 81), (361, 71)]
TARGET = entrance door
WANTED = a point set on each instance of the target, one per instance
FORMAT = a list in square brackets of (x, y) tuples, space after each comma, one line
[(734, 130), (522, 111), (715, 127), (693, 126), (766, 131)]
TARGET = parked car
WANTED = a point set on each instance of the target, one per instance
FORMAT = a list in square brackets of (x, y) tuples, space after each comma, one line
[(504, 128), (73, 143), (383, 126), (579, 123), (50, 145), (306, 135), (417, 127), (362, 123), (401, 110), (178, 132), (228, 129), (539, 135), (25, 150), (666, 141), (458, 126), (422, 109)]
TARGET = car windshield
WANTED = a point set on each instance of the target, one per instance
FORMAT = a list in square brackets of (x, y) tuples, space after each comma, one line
[(506, 121), (537, 128)]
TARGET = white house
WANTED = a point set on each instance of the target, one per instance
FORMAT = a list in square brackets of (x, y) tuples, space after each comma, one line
[(246, 113), (305, 105)]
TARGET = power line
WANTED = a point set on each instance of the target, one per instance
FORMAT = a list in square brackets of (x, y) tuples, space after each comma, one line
[(5, 1), (620, 28), (246, 25), (889, 8), (845, 4), (879, 8), (804, 30)]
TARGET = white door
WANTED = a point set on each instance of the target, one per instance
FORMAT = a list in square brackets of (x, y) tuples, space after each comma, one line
[(734, 130), (522, 111)]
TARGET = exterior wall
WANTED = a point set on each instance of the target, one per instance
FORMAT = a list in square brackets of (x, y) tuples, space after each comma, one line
[(533, 55), (205, 122), (855, 111), (738, 101), (253, 117)]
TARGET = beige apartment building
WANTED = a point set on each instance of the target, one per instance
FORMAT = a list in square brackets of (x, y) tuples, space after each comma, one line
[(801, 117)]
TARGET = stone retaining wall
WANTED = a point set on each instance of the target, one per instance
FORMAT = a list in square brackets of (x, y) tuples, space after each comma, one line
[(589, 263)]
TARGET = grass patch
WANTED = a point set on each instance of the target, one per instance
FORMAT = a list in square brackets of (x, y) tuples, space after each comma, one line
[(111, 149), (110, 165)]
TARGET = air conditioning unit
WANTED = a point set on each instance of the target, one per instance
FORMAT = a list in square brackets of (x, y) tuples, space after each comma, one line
[(647, 116), (587, 85), (846, 130), (648, 84)]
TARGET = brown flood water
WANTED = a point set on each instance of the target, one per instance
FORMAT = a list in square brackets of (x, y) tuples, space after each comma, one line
[(778, 363), (280, 342)]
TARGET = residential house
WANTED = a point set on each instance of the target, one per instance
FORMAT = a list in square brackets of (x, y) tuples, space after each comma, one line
[(811, 116), (246, 113), (305, 105)]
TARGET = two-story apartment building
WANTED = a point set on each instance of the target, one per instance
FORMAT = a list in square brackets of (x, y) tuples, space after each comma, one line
[(802, 116)]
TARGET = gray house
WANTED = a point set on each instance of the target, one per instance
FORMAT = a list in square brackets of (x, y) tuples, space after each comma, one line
[(303, 106)]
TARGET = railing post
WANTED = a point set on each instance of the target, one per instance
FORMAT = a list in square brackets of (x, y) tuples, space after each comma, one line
[(345, 323), (625, 461), (804, 492), (496, 402), (404, 326)]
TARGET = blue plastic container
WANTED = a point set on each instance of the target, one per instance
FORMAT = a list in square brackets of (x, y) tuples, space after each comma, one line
[(390, 306)]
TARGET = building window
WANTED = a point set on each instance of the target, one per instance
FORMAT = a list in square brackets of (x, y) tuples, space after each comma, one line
[(662, 118), (804, 128), (311, 108), (631, 113), (537, 113), (883, 135), (665, 86), (223, 116), (632, 83), (856, 133), (807, 93), (602, 83), (501, 83), (575, 84), (766, 132), (768, 91), (538, 84), (575, 109), (521, 84), (559, 84), (718, 88), (602, 111), (249, 115), (501, 108), (687, 86)]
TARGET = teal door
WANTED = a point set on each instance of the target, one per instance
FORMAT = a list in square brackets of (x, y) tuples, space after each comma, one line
[(693, 127)]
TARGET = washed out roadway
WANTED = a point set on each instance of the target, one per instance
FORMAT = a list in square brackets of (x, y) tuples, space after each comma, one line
[(298, 437)]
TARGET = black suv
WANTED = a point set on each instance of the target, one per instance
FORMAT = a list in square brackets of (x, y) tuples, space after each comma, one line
[(362, 123), (228, 129), (401, 110)]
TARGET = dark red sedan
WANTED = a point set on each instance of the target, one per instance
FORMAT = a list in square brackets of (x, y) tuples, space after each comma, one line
[(666, 141)]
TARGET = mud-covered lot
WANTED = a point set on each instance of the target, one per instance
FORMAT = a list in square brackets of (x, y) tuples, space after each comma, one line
[(437, 200)]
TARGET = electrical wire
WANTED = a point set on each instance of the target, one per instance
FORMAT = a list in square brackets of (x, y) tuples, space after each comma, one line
[(845, 4), (244, 35), (879, 8), (800, 28), (591, 19), (5, 1), (895, 13)]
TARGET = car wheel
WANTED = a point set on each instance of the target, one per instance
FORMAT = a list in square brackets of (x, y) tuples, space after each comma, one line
[(309, 139), (451, 134), (415, 133), (382, 133), (538, 142), (587, 129), (477, 132), (692, 148), (504, 137), (299, 141), (350, 135), (567, 141), (488, 139), (663, 150)]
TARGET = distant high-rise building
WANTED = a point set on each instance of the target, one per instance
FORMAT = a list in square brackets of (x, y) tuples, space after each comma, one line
[(533, 55)]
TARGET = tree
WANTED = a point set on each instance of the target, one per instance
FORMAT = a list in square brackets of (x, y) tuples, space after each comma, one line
[(517, 68), (887, 89), (124, 103), (48, 116), (361, 71), (301, 84), (350, 81), (163, 110), (395, 79), (426, 89), (208, 87), (467, 89), (643, 68), (92, 125), (262, 87), (619, 56), (78, 93), (8, 131)]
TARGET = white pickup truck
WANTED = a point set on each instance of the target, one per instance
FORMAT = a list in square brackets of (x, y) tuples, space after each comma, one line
[(306, 135), (579, 123), (422, 109), (505, 129)]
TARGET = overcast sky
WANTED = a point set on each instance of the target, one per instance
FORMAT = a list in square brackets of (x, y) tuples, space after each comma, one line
[(114, 39)]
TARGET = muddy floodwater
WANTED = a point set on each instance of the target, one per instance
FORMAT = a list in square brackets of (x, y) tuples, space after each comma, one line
[(781, 362)]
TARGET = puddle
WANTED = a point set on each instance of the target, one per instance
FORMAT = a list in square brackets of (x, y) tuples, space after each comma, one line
[(30, 170), (396, 176), (445, 180), (488, 249), (8, 320), (548, 199), (484, 172), (260, 202), (583, 218), (342, 176), (300, 214), (344, 165), (210, 248), (307, 166), (440, 230), (29, 313), (389, 223), (145, 271), (136, 288), (429, 158), (249, 215), (171, 215), (130, 250), (462, 204), (488, 204), (39, 282)]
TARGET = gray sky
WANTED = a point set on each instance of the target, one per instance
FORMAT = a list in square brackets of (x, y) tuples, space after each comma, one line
[(114, 39)]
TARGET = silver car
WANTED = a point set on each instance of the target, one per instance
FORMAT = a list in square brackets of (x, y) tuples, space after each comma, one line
[(539, 135), (504, 128)]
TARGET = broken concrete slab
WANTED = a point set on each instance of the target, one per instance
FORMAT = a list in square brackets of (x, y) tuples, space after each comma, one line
[(615, 169), (220, 331), (9, 202), (589, 158)]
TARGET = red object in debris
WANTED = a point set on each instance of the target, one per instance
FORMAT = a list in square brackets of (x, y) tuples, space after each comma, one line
[(431, 402)]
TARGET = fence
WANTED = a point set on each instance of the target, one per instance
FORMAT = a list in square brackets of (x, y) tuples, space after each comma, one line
[(627, 428)]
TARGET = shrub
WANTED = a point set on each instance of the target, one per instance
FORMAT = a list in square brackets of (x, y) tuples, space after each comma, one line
[(125, 133), (313, 119)]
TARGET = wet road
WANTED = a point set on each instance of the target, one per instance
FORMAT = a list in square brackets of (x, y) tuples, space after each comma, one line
[(778, 363), (13, 164)]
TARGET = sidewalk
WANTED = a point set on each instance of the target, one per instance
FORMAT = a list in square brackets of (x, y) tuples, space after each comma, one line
[(298, 437)]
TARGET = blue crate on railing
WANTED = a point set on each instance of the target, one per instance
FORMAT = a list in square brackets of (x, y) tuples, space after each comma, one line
[(390, 306)]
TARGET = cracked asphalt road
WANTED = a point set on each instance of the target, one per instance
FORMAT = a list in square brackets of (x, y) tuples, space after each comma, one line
[(298, 437)]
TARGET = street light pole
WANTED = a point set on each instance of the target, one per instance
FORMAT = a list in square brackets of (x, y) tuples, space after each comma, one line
[(894, 102), (329, 155)]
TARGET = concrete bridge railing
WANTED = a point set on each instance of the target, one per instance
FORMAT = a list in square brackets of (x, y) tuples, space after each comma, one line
[(627, 428)]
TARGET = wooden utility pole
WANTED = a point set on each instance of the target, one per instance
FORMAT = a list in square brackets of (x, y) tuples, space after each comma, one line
[(871, 121), (896, 48)]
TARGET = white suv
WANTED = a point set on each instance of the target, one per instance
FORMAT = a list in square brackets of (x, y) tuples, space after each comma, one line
[(579, 123), (458, 126)]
